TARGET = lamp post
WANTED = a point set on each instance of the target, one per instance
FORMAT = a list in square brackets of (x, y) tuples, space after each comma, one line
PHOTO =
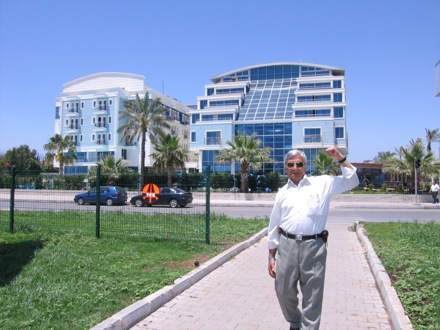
[(416, 166)]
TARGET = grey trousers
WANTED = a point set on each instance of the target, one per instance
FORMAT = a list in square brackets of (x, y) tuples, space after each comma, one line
[(301, 262)]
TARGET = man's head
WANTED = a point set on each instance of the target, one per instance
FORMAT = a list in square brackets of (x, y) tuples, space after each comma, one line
[(295, 164)]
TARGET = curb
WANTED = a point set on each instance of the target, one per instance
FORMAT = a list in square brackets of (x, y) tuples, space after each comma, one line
[(399, 320), (133, 314)]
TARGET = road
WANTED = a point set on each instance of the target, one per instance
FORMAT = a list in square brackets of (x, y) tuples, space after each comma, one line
[(345, 216)]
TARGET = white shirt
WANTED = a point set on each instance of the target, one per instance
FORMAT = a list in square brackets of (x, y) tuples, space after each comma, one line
[(303, 209), (435, 187)]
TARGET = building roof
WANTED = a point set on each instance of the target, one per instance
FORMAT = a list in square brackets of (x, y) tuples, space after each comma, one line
[(104, 80), (332, 68)]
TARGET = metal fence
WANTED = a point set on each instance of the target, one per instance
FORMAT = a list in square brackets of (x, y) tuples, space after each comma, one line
[(24, 207)]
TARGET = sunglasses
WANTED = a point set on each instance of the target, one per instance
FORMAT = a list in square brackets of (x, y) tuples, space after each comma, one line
[(298, 164)]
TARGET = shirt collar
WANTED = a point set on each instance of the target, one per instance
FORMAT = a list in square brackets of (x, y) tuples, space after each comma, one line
[(304, 181)]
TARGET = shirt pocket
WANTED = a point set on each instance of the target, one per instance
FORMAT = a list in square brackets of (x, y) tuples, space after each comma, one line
[(314, 205)]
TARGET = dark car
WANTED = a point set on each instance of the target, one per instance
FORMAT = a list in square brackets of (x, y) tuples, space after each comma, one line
[(171, 196), (108, 195)]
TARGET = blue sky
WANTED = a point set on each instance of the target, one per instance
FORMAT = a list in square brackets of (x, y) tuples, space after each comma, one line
[(388, 49)]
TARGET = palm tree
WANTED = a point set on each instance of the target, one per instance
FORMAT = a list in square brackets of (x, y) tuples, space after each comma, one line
[(431, 136), (404, 165), (63, 150), (383, 156), (169, 155), (144, 116), (324, 165), (112, 169), (248, 151)]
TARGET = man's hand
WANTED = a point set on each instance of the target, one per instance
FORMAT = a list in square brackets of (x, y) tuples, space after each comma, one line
[(271, 268), (334, 153)]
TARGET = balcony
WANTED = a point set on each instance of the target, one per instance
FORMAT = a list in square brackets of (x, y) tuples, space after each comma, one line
[(213, 141), (313, 138), (72, 113), (100, 142), (100, 126), (102, 107), (72, 127)]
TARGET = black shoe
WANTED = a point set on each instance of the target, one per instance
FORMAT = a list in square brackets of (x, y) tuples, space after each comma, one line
[(294, 328)]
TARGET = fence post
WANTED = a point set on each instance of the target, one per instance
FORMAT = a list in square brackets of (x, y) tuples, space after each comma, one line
[(11, 200), (208, 206), (98, 202)]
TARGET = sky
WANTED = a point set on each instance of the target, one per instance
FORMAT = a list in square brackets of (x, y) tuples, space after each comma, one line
[(388, 49)]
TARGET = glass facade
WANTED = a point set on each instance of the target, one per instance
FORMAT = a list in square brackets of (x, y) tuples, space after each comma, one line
[(277, 136)]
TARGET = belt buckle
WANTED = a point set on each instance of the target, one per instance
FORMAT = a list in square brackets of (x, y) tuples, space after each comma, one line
[(298, 237)]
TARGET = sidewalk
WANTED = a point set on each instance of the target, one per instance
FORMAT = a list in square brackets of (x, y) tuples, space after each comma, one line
[(239, 294)]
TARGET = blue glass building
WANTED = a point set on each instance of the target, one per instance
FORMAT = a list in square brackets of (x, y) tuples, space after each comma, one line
[(287, 105)]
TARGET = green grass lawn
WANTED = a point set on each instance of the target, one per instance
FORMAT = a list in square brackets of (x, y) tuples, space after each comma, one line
[(73, 281), (410, 253)]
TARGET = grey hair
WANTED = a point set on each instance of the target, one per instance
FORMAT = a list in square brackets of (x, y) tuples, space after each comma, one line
[(293, 153)]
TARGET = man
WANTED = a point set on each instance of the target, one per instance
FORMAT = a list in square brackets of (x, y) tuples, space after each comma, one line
[(297, 236), (434, 191)]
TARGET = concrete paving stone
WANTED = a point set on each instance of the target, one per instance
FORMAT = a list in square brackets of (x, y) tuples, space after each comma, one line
[(240, 294)]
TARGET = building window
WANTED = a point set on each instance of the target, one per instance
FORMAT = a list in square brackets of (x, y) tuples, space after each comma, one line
[(193, 137), (109, 119), (195, 118), (338, 112), (213, 138), (81, 138), (57, 112), (94, 104), (339, 132), (312, 135), (315, 85), (337, 97), (102, 105), (315, 98), (109, 137), (223, 103), (207, 117), (225, 116), (82, 121), (312, 113), (210, 91), (101, 139), (337, 84), (93, 137), (203, 104), (110, 102), (82, 105), (124, 153)]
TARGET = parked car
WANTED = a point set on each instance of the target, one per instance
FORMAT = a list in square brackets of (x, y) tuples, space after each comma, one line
[(108, 195), (171, 196)]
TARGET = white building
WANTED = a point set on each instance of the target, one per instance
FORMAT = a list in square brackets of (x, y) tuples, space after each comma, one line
[(88, 111)]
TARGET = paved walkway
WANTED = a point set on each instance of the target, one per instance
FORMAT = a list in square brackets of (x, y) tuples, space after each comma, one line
[(240, 294)]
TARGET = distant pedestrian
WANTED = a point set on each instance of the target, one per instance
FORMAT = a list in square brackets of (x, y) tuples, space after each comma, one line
[(297, 233), (434, 191)]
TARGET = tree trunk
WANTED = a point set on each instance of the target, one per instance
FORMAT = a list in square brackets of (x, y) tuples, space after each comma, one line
[(142, 169), (244, 184)]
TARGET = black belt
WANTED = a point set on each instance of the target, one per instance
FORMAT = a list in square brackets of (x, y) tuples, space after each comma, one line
[(304, 237)]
